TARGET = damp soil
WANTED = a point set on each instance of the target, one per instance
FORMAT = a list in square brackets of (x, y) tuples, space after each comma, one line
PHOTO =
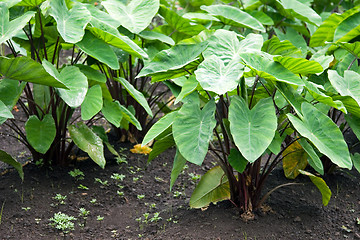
[(292, 212)]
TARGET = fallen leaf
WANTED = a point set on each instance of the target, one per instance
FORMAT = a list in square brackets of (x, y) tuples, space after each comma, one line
[(138, 148)]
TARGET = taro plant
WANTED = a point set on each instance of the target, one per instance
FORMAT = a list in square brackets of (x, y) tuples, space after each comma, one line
[(60, 56), (256, 88)]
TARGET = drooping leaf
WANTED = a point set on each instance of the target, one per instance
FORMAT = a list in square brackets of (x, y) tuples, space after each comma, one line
[(301, 11), (161, 145), (189, 86), (160, 126), (193, 129), (137, 95), (356, 161), (174, 58), (213, 75), (233, 16), (237, 161), (28, 70), (98, 49), (92, 103), (9, 29), (294, 159), (105, 28), (349, 85), (112, 112), (89, 142), (6, 158), (70, 23), (317, 127), (151, 35), (40, 133), (135, 16), (178, 166), (212, 188), (268, 69), (4, 111), (252, 130), (262, 17), (321, 185), (299, 65), (313, 159)]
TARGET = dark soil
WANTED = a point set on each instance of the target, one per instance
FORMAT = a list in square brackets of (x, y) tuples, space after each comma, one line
[(293, 212)]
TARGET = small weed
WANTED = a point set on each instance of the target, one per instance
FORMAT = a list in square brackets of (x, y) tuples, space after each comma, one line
[(82, 187), (60, 198), (93, 201), (118, 177), (358, 221), (99, 219), (158, 195), (194, 177), (77, 174), (26, 208), (120, 193), (140, 197), (62, 222), (177, 194), (120, 160), (104, 183), (159, 179), (120, 186), (156, 217), (83, 213)]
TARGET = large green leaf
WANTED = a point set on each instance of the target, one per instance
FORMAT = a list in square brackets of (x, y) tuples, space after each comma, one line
[(30, 3), (92, 103), (10, 29), (213, 75), (354, 123), (28, 70), (105, 28), (112, 112), (6, 158), (10, 92), (151, 35), (212, 188), (70, 23), (301, 11), (353, 48), (161, 145), (74, 79), (160, 126), (321, 185), (325, 33), (4, 111), (349, 85), (189, 86), (294, 159), (89, 142), (135, 16), (264, 67), (40, 133), (98, 49), (178, 166), (193, 130), (130, 117), (348, 29), (313, 158), (274, 46), (237, 161), (174, 58), (323, 133), (291, 96), (91, 74), (233, 16), (138, 96), (299, 65), (252, 130)]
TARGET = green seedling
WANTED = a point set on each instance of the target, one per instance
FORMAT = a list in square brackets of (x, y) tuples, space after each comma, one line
[(26, 208), (62, 222), (99, 219), (77, 174), (177, 194), (60, 198), (83, 187), (120, 186), (118, 177), (140, 197), (93, 201), (83, 213), (194, 177), (158, 195), (103, 183), (120, 193), (358, 221), (120, 160), (159, 179), (156, 217)]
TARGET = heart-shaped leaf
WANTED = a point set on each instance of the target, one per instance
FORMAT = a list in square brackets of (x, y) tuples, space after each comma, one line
[(8, 29), (252, 130), (323, 133), (92, 103), (193, 130), (213, 75), (6, 158), (40, 133), (349, 85), (136, 16), (212, 188), (70, 23), (89, 142)]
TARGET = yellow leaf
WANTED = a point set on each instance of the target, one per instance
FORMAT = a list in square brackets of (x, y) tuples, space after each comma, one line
[(138, 148), (295, 159)]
